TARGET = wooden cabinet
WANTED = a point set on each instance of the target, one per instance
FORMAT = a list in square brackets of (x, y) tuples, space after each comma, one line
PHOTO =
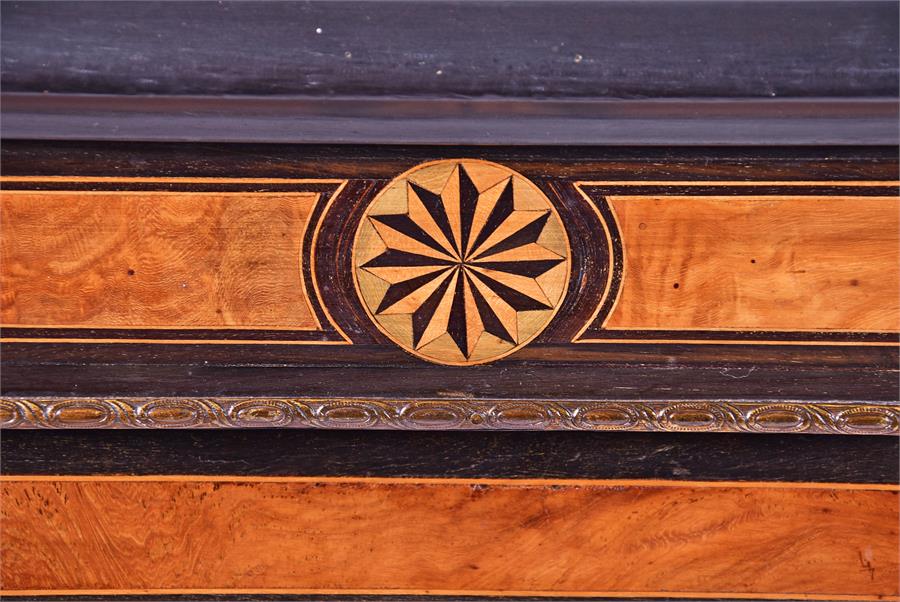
[(427, 301)]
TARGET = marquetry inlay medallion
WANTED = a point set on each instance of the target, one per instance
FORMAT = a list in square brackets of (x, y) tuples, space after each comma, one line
[(461, 261)]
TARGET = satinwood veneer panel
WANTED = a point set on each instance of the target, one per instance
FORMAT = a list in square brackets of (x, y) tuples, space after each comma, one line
[(154, 259), (95, 535), (139, 259), (777, 262)]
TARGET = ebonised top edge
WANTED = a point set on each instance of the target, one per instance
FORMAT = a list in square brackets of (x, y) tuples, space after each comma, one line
[(491, 121), (563, 49)]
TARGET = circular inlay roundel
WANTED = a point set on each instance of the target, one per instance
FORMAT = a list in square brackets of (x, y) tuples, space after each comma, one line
[(461, 261)]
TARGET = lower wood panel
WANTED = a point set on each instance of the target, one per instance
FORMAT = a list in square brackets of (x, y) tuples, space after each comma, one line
[(93, 535)]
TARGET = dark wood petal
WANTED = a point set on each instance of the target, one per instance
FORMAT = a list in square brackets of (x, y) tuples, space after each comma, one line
[(402, 223), (517, 300), (456, 327), (489, 318), (523, 236), (435, 207), (529, 268), (502, 210), (394, 258), (422, 316), (468, 200), (401, 290)]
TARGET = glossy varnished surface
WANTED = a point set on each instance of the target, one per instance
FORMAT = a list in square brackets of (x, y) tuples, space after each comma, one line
[(549, 537), (799, 340), (707, 289), (494, 454), (533, 491), (742, 262), (461, 262), (144, 259), (671, 415)]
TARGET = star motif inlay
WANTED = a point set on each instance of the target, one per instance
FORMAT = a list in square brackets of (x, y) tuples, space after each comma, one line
[(473, 267)]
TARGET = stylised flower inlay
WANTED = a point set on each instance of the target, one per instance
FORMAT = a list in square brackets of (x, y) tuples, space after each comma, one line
[(461, 262)]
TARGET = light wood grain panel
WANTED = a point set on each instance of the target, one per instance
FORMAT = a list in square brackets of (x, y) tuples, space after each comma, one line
[(549, 537), (767, 263), (154, 259)]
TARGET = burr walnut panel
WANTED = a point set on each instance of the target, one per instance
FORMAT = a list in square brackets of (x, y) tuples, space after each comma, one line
[(165, 535)]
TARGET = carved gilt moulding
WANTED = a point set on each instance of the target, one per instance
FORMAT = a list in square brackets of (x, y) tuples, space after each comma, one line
[(456, 293), (626, 415)]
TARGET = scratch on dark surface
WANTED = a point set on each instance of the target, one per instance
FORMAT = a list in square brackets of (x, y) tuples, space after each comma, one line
[(730, 374)]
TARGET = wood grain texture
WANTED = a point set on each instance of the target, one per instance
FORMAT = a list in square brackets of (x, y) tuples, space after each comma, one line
[(822, 369), (154, 259), (461, 262), (758, 263), (492, 454), (447, 536)]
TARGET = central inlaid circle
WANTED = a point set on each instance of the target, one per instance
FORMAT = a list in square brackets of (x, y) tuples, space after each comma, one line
[(461, 261)]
